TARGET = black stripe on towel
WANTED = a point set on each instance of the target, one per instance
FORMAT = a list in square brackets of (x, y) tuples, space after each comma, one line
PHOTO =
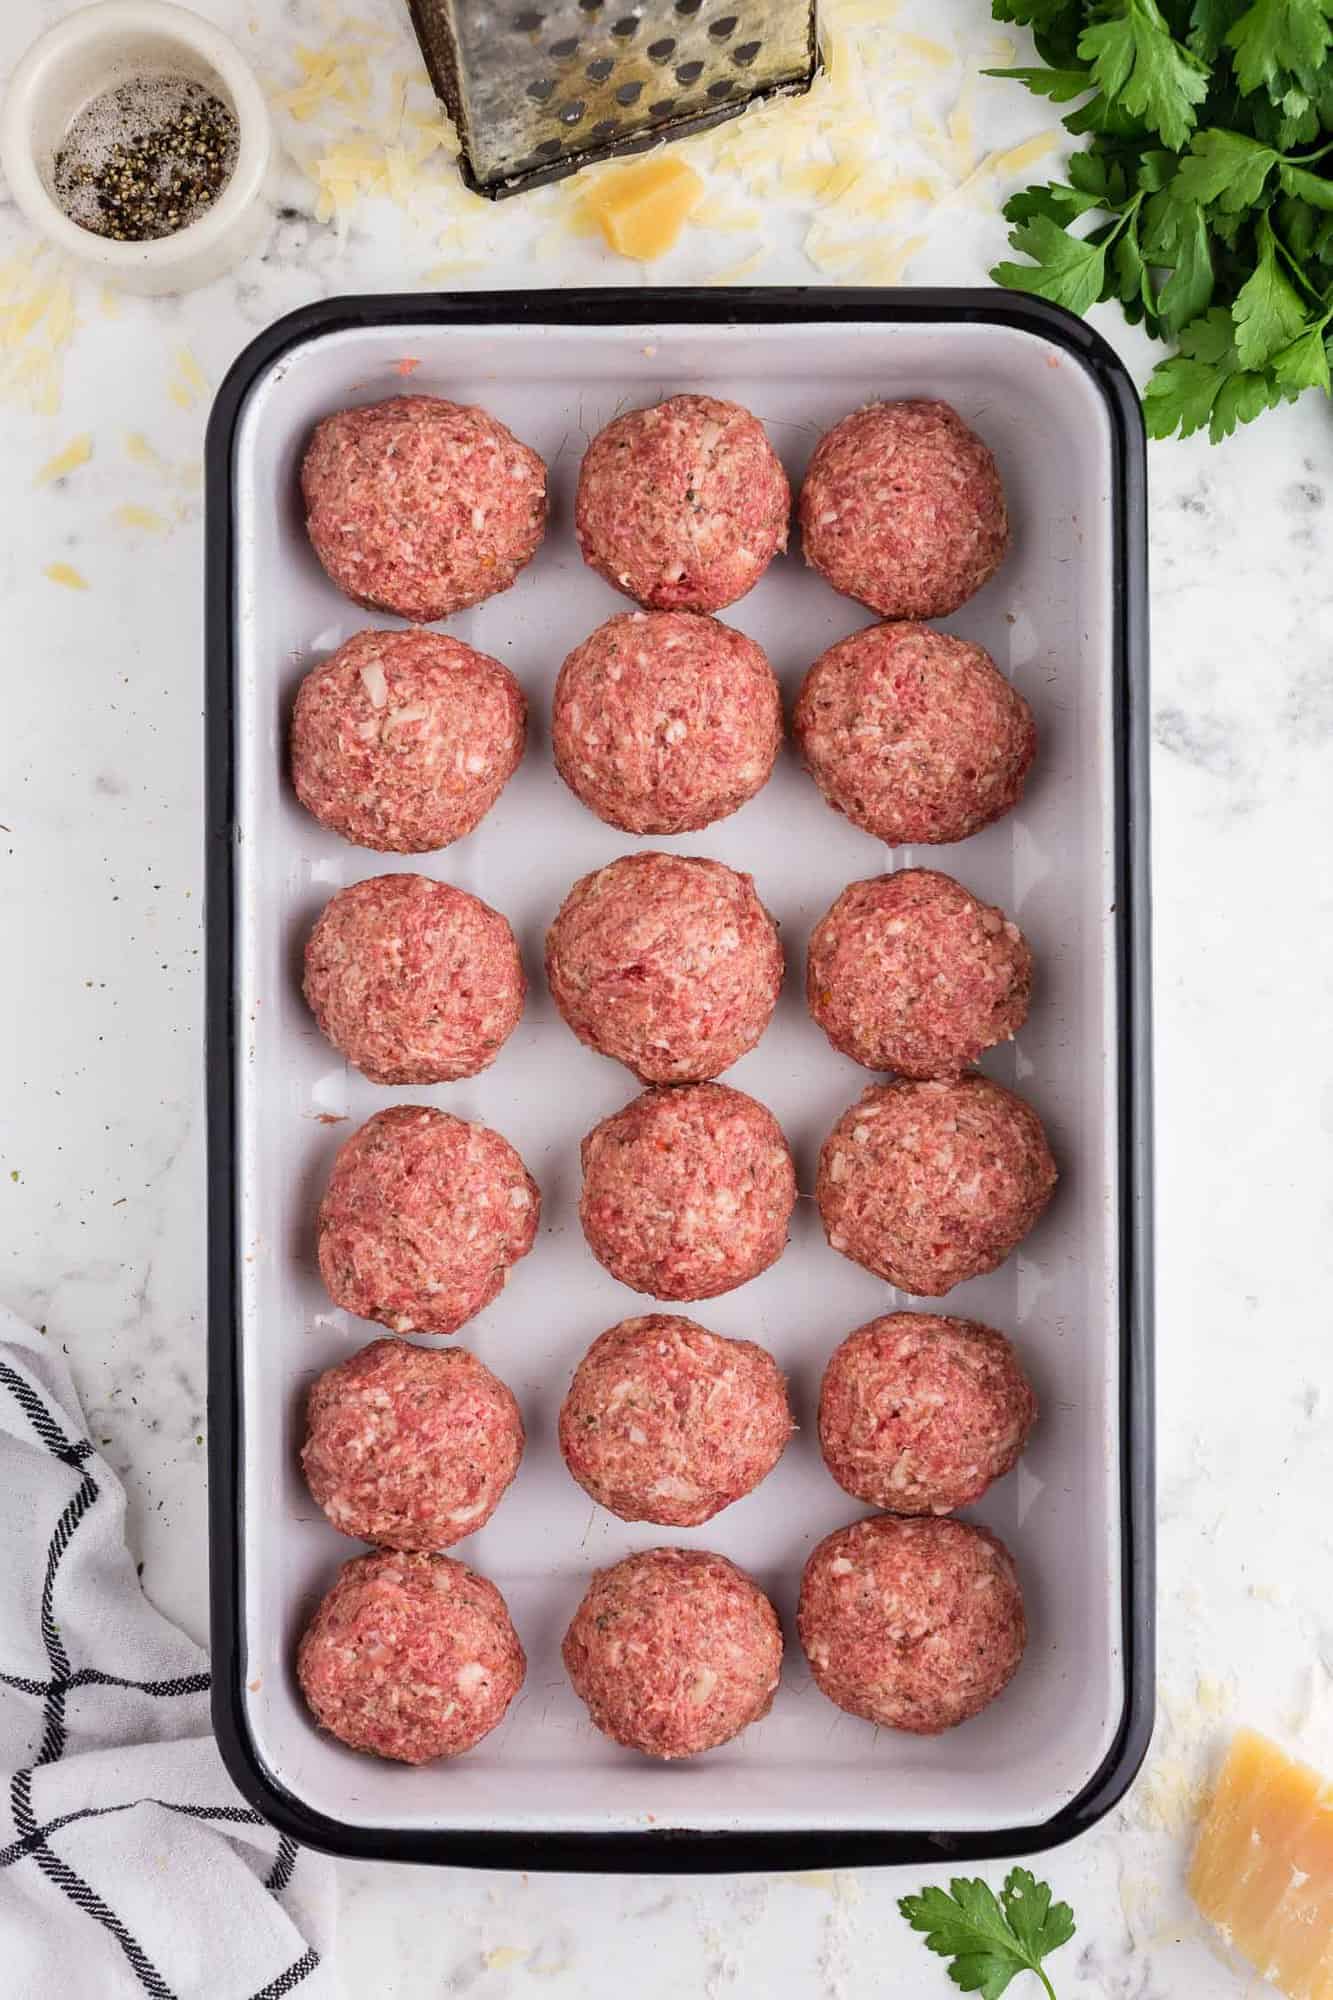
[(284, 1861), (93, 1677), (80, 1893), (71, 1451), (293, 1976), (233, 1815)]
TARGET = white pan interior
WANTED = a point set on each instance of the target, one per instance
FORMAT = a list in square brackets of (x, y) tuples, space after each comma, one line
[(1047, 620)]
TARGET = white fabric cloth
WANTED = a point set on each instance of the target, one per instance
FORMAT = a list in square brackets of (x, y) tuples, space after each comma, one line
[(129, 1864)]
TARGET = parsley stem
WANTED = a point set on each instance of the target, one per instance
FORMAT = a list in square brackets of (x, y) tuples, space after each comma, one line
[(1045, 1981), (1297, 273), (1127, 215), (1305, 159)]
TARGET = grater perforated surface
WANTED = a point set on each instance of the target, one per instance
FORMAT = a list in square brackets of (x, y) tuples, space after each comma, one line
[(539, 88)]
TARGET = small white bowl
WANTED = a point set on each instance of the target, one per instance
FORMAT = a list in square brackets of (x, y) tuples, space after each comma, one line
[(95, 50)]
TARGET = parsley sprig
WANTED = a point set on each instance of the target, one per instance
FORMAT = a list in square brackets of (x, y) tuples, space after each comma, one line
[(1204, 200), (991, 1941)]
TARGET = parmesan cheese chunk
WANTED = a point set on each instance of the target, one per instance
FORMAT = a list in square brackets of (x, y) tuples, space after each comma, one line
[(1263, 1866), (642, 209)]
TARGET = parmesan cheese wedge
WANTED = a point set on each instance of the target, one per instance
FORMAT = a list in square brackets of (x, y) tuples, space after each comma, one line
[(1263, 1866), (642, 209)]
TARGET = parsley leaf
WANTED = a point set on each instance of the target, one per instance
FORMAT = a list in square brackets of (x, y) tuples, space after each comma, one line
[(1189, 289), (1242, 397), (1206, 385), (1068, 270), (1225, 167), (990, 1942), (1042, 16), (1180, 396), (1062, 86), (1310, 187), (1136, 58), (1268, 310), (1062, 204), (1040, 1926), (1304, 364), (1210, 21), (1278, 41)]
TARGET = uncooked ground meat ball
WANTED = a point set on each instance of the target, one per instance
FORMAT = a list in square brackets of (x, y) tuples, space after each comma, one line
[(682, 506), (411, 1657), (421, 507), (669, 964), (919, 1413), (667, 1422), (422, 1218), (664, 721), (674, 1651), (910, 972), (687, 1192), (927, 1184), (917, 737), (913, 1624), (902, 508), (402, 741), (410, 1447), (414, 981)]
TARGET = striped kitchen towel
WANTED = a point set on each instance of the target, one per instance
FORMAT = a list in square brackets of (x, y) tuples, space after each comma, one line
[(129, 1864)]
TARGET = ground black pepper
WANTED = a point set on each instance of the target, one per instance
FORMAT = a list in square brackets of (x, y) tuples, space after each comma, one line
[(146, 159)]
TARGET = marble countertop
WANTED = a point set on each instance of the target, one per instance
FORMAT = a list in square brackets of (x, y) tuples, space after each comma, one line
[(101, 1131)]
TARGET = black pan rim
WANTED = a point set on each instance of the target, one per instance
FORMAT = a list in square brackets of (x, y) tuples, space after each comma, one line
[(687, 1850)]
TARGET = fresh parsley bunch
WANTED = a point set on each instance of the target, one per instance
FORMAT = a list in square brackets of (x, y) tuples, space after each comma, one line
[(1207, 187)]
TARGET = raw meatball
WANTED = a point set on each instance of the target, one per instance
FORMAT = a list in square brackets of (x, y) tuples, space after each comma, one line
[(918, 1413), (910, 972), (664, 721), (687, 1192), (667, 1422), (915, 736), (422, 1218), (421, 507), (671, 965), (411, 1657), (903, 509), (402, 741), (915, 1624), (927, 1184), (674, 1651), (683, 506), (415, 982), (410, 1447)]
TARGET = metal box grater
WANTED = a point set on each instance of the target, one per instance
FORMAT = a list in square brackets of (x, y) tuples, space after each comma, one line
[(539, 90)]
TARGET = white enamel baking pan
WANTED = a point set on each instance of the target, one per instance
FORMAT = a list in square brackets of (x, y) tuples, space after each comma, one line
[(1064, 617)]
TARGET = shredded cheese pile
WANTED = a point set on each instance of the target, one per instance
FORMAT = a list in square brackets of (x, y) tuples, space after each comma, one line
[(861, 160), (857, 170), (372, 130)]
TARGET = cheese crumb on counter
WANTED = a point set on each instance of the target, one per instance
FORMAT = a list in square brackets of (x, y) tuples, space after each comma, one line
[(145, 519), (37, 323), (1263, 1867), (76, 453), (65, 574), (188, 383), (643, 208)]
